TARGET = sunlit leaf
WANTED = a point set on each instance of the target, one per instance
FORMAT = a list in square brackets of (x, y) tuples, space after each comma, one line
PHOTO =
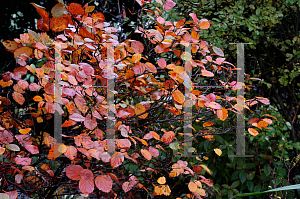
[(218, 152), (252, 131), (161, 180)]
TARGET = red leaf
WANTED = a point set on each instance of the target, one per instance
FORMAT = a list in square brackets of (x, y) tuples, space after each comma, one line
[(77, 117), (123, 144), (6, 137), (73, 172), (169, 5), (137, 46), (71, 152), (104, 183), (150, 67), (86, 183), (23, 161), (139, 68), (154, 152), (194, 17), (116, 160), (49, 89), (32, 149), (89, 122), (162, 63)]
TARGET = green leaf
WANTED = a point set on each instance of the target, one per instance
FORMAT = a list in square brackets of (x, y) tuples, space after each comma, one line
[(243, 176), (285, 188), (250, 185), (267, 170), (235, 184), (13, 147), (226, 186), (174, 145)]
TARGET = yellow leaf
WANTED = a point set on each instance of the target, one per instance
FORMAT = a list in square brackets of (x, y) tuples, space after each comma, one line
[(192, 186), (161, 180), (62, 148), (201, 192), (205, 168), (218, 152)]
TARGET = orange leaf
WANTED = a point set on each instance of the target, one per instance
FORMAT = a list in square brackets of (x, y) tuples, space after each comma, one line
[(141, 140), (146, 154), (42, 12), (168, 137), (178, 97), (89, 9), (139, 109), (18, 97), (24, 49), (104, 183), (50, 107), (161, 180), (12, 194), (123, 144), (10, 45), (155, 135), (150, 67), (75, 9), (222, 114), (263, 124), (208, 124), (271, 116), (25, 131), (73, 172), (59, 24), (253, 132), (204, 24), (68, 123), (98, 16)]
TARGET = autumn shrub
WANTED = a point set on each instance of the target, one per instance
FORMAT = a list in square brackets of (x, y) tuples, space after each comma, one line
[(129, 141)]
